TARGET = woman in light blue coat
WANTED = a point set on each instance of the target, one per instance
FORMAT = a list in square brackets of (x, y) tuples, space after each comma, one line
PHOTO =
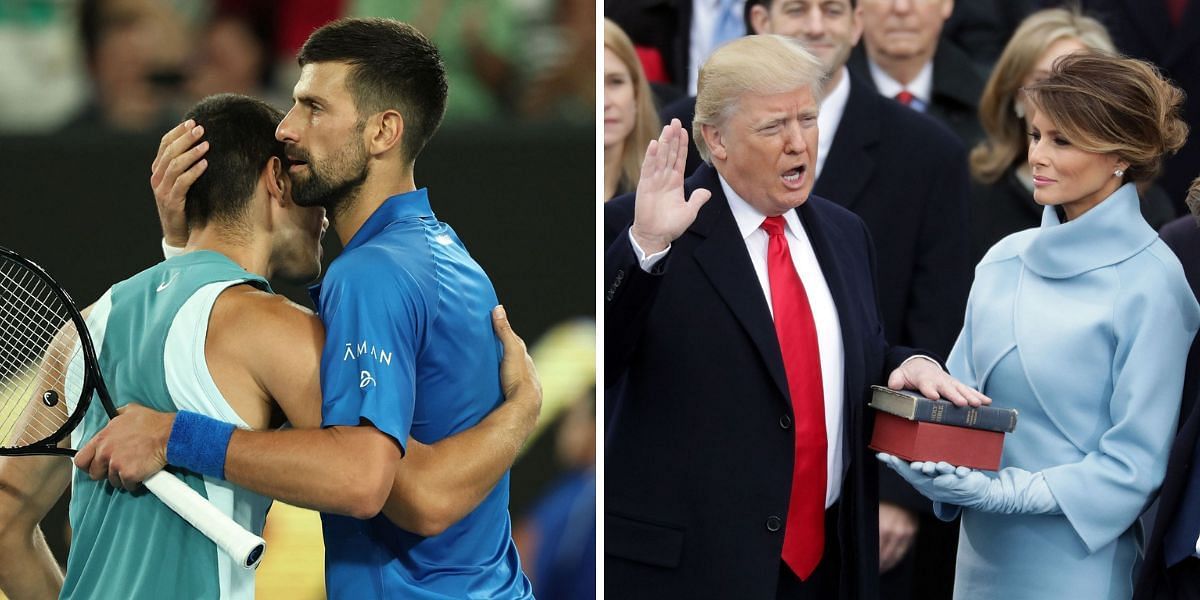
[(1083, 325)]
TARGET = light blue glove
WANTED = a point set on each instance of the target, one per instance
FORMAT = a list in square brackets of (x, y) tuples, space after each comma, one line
[(1012, 491)]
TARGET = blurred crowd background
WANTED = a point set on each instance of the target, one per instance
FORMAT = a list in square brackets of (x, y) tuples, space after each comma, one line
[(135, 65), (87, 88)]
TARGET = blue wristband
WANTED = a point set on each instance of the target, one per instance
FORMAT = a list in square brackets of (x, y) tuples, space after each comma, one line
[(198, 443)]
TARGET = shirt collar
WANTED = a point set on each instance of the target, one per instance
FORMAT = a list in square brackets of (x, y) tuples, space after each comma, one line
[(921, 86), (748, 218), (833, 105), (414, 204), (1109, 233)]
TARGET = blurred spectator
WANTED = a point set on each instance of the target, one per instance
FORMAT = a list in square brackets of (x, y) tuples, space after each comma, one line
[(1003, 193), (135, 52), (630, 121), (235, 53), (563, 87), (44, 81), (680, 35), (557, 539), (981, 28), (477, 40), (902, 58), (1166, 33)]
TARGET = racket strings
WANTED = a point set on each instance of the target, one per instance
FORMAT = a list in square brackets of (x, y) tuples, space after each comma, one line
[(24, 421), (21, 423), (38, 344)]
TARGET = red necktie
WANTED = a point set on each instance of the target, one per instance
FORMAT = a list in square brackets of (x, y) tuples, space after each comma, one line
[(905, 97), (804, 534)]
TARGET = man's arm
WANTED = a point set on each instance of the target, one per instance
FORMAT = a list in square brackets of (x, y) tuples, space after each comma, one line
[(633, 260), (29, 487), (438, 485), (346, 470)]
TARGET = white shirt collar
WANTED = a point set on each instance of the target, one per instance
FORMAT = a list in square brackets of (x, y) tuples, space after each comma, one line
[(749, 219), (921, 86), (833, 105)]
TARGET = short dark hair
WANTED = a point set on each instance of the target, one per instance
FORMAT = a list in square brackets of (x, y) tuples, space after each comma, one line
[(241, 139), (392, 66)]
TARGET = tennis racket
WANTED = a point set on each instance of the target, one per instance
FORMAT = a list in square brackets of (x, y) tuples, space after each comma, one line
[(48, 374)]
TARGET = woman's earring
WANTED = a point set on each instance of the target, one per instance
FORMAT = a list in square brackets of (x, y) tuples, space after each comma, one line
[(1119, 172)]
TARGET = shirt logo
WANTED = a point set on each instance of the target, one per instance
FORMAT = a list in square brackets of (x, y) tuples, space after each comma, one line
[(354, 352), (162, 286), (365, 379)]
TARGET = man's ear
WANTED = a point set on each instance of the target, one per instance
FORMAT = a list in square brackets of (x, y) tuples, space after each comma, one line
[(276, 180), (715, 142), (386, 131), (759, 18)]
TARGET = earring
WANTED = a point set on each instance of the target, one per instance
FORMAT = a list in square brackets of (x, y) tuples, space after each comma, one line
[(1119, 173)]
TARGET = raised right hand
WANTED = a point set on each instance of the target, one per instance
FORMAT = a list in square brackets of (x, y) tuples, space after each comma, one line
[(660, 214), (175, 168)]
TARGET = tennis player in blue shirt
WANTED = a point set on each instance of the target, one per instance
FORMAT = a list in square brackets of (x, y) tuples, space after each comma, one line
[(409, 344)]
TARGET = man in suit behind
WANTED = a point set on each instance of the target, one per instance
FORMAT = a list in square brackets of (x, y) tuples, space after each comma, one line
[(902, 58), (743, 329), (1171, 569)]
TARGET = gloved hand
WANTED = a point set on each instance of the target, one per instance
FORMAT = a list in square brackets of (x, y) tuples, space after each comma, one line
[(1013, 491)]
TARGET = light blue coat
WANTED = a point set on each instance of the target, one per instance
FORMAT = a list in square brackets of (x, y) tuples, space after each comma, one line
[(1084, 328)]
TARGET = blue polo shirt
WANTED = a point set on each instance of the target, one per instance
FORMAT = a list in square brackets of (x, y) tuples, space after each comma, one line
[(409, 348)]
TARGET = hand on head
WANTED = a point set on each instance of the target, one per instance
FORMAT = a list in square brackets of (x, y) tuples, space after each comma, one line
[(176, 167)]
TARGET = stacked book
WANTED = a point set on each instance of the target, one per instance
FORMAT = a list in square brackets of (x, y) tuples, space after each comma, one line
[(916, 428)]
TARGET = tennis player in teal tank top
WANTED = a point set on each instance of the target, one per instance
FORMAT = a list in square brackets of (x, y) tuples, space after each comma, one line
[(127, 545)]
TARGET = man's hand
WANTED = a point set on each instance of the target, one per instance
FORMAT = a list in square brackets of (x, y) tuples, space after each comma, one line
[(132, 447), (660, 214), (174, 170), (518, 376), (926, 377), (897, 529)]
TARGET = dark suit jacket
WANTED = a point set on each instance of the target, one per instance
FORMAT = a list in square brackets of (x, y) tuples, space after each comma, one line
[(905, 175), (1156, 581), (957, 86), (697, 457), (1141, 29)]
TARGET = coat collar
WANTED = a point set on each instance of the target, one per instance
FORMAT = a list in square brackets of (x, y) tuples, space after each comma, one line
[(851, 162), (1109, 233)]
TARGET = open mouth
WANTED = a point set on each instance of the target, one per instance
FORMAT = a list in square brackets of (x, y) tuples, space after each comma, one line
[(794, 178)]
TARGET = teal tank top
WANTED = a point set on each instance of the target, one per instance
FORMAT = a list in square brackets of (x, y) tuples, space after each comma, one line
[(149, 333)]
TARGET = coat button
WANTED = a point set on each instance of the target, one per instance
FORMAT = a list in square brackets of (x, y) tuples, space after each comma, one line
[(785, 421), (774, 523)]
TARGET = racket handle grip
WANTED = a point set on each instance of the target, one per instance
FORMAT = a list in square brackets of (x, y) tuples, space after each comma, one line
[(244, 547)]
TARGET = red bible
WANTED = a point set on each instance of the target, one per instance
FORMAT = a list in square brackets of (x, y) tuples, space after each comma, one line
[(918, 441)]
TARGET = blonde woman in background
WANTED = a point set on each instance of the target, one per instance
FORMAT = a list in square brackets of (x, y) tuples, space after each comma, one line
[(1002, 194), (630, 121)]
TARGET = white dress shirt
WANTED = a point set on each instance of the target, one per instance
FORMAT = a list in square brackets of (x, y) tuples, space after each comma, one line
[(920, 87), (825, 315), (830, 115)]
